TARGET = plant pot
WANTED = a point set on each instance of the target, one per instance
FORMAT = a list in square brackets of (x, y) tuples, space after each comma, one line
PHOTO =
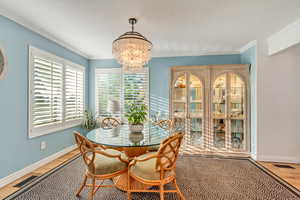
[(136, 128), (136, 137)]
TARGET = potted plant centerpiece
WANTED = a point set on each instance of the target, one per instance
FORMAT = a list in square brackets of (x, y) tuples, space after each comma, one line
[(137, 115)]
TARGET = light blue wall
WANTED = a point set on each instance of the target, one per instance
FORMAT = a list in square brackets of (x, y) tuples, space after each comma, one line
[(16, 150), (159, 75), (250, 57)]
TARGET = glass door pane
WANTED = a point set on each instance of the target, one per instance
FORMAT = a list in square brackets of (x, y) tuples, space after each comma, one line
[(219, 112), (195, 111), (180, 102), (237, 113), (237, 94), (219, 97), (237, 134), (219, 133)]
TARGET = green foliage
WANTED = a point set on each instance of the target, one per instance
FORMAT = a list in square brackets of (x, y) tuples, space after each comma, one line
[(89, 121), (137, 114)]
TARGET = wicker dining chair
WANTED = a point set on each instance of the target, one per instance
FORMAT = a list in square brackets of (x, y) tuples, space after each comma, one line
[(157, 169), (165, 124), (110, 122), (100, 164)]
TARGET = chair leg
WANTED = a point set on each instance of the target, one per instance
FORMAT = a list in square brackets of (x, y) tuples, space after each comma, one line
[(82, 186), (161, 191), (128, 187), (178, 190), (91, 196), (128, 195)]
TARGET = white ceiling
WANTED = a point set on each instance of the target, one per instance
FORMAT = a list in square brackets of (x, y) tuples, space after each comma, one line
[(175, 27)]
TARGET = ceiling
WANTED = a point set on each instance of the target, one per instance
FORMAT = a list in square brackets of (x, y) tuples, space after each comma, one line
[(175, 27)]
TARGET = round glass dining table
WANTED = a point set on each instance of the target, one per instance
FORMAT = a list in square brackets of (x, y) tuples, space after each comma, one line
[(121, 136), (132, 144)]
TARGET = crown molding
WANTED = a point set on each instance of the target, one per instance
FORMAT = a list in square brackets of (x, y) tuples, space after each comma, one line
[(201, 53), (21, 21), (285, 38), (155, 55), (248, 46)]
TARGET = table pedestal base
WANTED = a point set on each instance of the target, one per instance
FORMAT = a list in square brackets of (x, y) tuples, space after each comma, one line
[(132, 152), (121, 183)]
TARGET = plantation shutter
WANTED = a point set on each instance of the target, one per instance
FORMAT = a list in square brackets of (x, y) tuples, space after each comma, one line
[(116, 91), (74, 93), (47, 92), (55, 95), (135, 88), (108, 92)]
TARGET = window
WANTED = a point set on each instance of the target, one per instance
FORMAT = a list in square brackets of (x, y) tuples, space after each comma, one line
[(56, 93), (74, 93), (115, 91), (135, 88), (108, 92)]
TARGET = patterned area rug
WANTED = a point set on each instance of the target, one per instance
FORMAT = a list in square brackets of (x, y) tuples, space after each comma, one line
[(199, 177)]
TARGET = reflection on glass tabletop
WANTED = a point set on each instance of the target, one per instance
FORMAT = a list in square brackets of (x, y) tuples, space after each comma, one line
[(122, 137)]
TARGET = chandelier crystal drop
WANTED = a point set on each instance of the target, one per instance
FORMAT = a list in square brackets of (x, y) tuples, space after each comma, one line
[(132, 49)]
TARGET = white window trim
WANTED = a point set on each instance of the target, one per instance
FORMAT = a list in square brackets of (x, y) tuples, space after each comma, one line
[(39, 131)]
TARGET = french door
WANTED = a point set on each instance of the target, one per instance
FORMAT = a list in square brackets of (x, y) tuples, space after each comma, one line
[(189, 107), (210, 104)]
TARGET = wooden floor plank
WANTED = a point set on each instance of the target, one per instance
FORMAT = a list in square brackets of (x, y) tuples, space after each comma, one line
[(292, 176)]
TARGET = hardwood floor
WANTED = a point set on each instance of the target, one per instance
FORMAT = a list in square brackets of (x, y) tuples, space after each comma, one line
[(292, 176)]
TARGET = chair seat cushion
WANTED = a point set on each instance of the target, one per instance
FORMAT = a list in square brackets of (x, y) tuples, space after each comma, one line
[(106, 165), (147, 169)]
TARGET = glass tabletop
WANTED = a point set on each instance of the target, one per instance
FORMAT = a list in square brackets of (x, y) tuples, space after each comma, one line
[(122, 137)]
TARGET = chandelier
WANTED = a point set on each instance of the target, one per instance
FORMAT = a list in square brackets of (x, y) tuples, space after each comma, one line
[(132, 49)]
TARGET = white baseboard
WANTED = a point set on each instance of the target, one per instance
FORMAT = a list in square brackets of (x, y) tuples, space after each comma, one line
[(284, 159), (253, 156), (18, 174)]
